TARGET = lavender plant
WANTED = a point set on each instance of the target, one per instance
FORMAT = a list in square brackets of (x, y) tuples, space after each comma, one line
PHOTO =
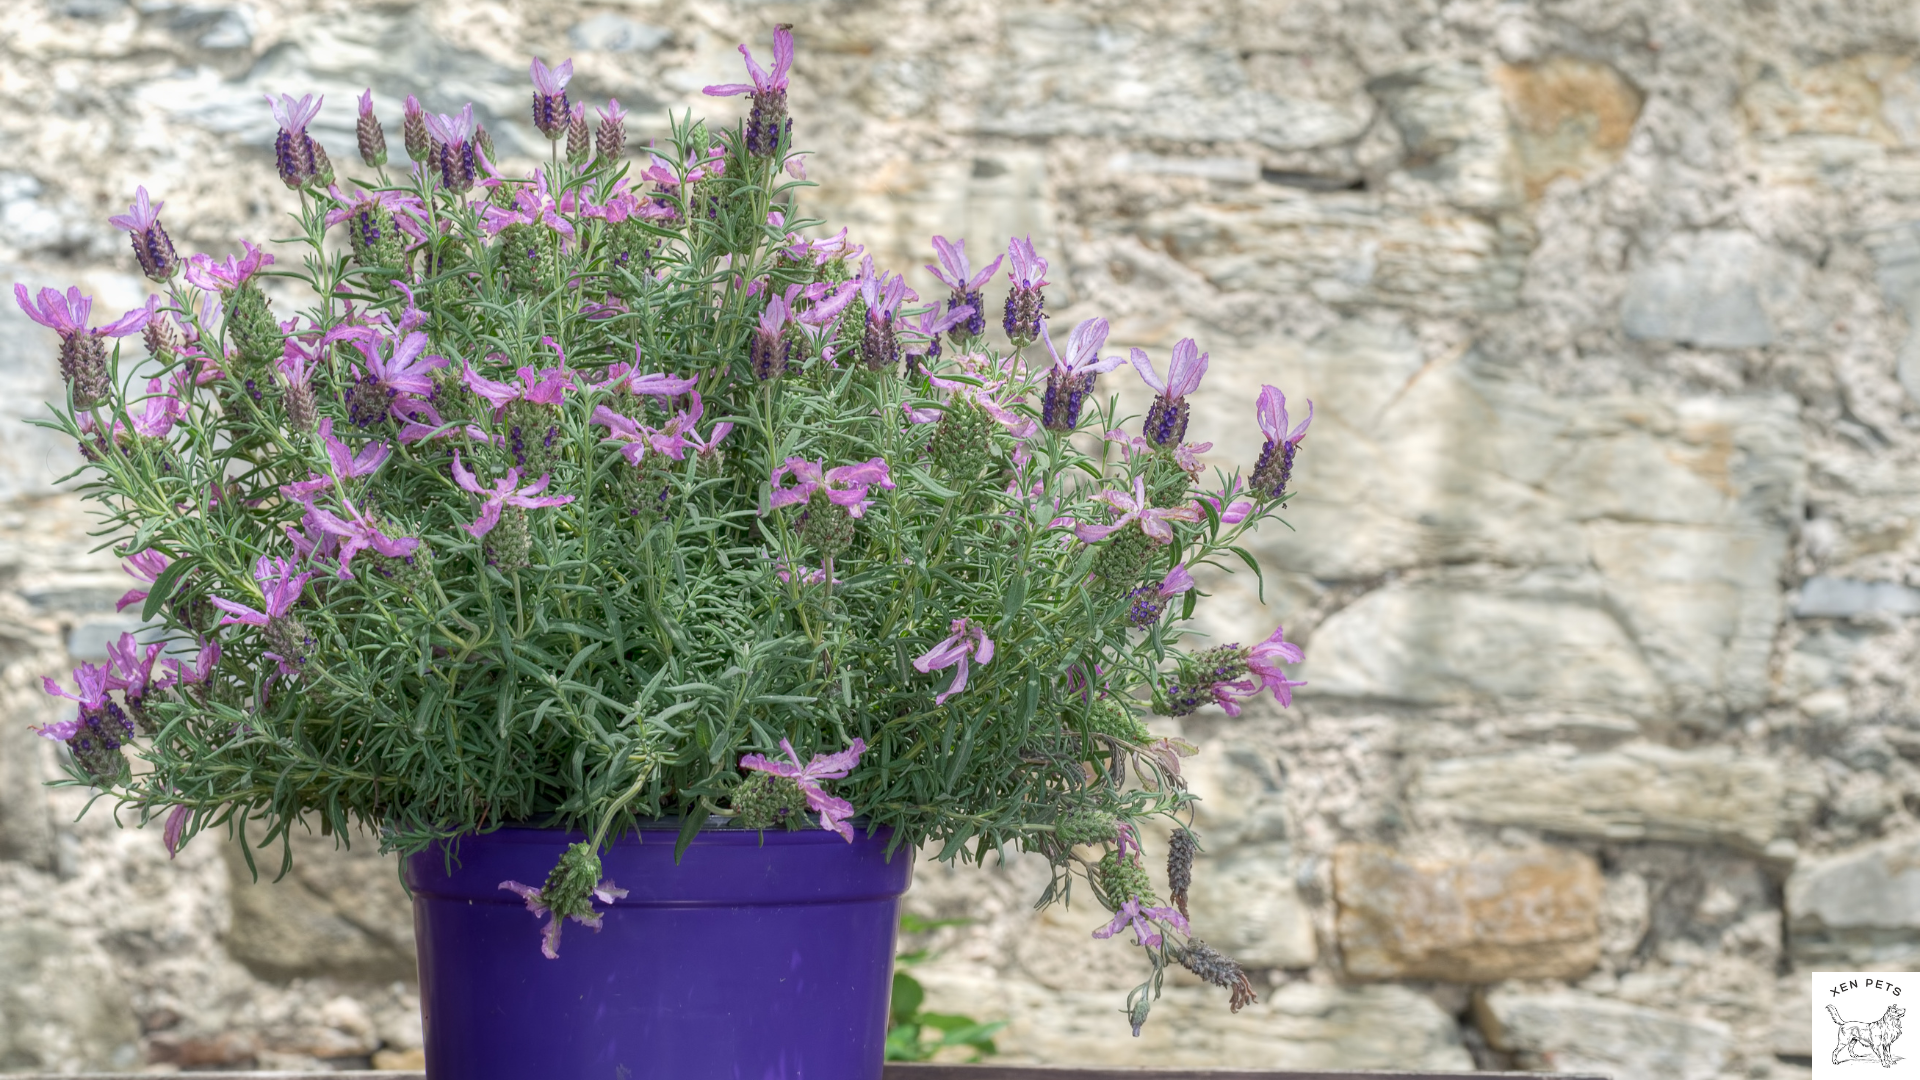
[(600, 496)]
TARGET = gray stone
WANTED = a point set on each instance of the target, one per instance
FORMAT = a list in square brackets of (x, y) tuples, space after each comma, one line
[(339, 912), (62, 1007), (608, 32), (1712, 289), (1642, 791), (1247, 904), (1456, 130), (1568, 1031), (1232, 170), (1857, 909), (1844, 598)]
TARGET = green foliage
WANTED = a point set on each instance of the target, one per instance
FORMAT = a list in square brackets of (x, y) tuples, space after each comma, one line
[(913, 1035)]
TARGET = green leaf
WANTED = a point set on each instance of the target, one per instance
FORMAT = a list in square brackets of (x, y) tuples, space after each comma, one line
[(907, 996), (163, 587)]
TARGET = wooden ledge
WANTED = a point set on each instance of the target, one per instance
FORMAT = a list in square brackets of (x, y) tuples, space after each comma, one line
[(924, 1073)]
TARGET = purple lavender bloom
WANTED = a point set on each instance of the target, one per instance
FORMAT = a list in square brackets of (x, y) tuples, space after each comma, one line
[(1166, 421), (767, 122), (96, 734), (551, 111), (883, 293), (161, 409), (1135, 914), (1275, 467), (281, 589), (346, 464), (413, 131), (83, 352), (1071, 377), (845, 486), (928, 326), (147, 566), (531, 206), (767, 353), (1146, 603), (362, 208), (225, 277), (964, 642), (296, 155), (151, 245), (394, 385), (179, 673), (955, 272), (1133, 508), (1264, 660), (637, 440), (132, 672), (834, 811), (1026, 305), (368, 133), (504, 493), (605, 891), (459, 164), (357, 533)]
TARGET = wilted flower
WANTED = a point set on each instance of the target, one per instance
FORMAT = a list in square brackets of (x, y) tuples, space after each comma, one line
[(1136, 915), (956, 273), (767, 122), (1167, 418), (1275, 467), (834, 811), (965, 641), (604, 891), (151, 245)]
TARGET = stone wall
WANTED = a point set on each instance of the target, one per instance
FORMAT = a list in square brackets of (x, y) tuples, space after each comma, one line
[(1606, 537)]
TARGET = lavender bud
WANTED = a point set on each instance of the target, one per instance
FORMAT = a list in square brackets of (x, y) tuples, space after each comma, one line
[(1166, 422), (1181, 847), (413, 131), (579, 137), (302, 413), (1078, 827), (764, 801), (1144, 606), (154, 250), (322, 165), (1274, 469), (96, 746), (293, 157), (961, 446), (1061, 403), (83, 362), (1025, 307), (368, 133), (767, 354), (483, 139), (826, 527), (880, 346), (610, 142), (161, 339), (458, 167), (1217, 968), (291, 639), (767, 122)]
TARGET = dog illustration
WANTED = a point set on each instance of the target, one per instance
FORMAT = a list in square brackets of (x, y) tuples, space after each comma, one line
[(1859, 1040)]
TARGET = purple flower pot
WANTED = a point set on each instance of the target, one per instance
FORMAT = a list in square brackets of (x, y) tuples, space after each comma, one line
[(753, 960)]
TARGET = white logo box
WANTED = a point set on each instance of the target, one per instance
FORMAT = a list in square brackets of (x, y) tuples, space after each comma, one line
[(1863, 1025)]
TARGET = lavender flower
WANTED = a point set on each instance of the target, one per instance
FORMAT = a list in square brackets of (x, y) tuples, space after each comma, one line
[(1133, 508), (1275, 467), (133, 674), (1264, 660), (296, 155), (504, 493), (396, 384), (637, 440), (845, 487), (459, 164), (357, 532), (551, 111), (955, 272), (610, 142), (1146, 603), (229, 275), (965, 642), (1166, 421), (175, 828), (97, 732), (413, 131), (376, 220), (767, 122), (1025, 303), (1071, 377), (531, 206), (767, 353), (604, 891), (146, 566), (83, 352), (928, 326), (1135, 914), (882, 293), (368, 133), (579, 137), (297, 366), (281, 589), (527, 410), (834, 811), (151, 245), (181, 674)]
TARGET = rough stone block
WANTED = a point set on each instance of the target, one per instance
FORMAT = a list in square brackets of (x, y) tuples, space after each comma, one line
[(340, 912), (1845, 598), (62, 1007), (1713, 289), (1568, 1031), (1246, 904), (1532, 914), (1572, 116), (1641, 791), (1858, 908)]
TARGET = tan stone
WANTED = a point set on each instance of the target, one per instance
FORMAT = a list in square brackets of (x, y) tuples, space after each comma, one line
[(1641, 791), (1571, 116), (340, 912), (1567, 1031), (1531, 914)]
